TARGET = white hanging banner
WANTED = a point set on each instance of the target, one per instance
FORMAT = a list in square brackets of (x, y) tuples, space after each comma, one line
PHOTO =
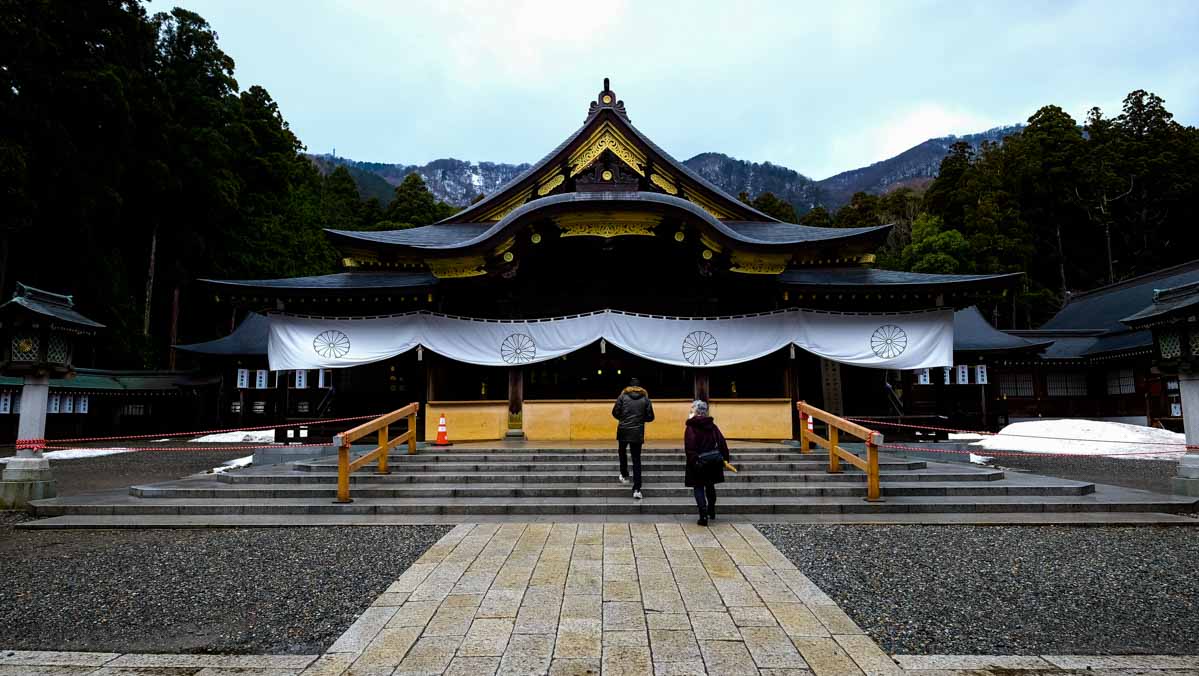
[(893, 341)]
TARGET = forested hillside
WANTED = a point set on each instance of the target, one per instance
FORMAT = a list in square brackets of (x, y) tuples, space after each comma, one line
[(132, 164)]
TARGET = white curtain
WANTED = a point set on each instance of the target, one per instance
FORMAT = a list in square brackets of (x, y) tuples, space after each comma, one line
[(892, 341)]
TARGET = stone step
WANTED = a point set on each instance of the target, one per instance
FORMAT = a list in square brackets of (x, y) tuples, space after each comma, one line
[(611, 465), (216, 489), (1112, 501), (596, 456), (398, 476)]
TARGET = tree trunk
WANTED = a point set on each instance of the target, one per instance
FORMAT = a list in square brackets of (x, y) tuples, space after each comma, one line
[(3, 261), (1061, 264), (150, 282)]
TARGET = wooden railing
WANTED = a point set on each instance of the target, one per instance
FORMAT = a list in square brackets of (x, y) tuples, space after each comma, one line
[(836, 454), (345, 466)]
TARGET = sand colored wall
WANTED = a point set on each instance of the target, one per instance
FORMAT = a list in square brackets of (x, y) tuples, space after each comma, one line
[(468, 420), (591, 420), (768, 419)]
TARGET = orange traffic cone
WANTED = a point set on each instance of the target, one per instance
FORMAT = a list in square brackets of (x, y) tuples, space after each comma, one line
[(442, 437)]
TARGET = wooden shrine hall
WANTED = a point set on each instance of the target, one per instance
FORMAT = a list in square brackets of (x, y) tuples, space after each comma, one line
[(606, 221)]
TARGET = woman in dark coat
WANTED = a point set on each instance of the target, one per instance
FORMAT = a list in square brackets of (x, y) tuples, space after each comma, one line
[(702, 435)]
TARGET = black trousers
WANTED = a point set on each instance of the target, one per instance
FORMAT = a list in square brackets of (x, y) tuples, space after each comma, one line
[(633, 447), (707, 491)]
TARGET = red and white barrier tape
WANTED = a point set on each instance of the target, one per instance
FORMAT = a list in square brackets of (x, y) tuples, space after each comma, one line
[(185, 448), (1029, 436), (160, 435), (1021, 454)]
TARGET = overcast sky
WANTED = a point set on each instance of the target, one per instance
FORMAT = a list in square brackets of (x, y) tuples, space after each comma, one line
[(820, 87)]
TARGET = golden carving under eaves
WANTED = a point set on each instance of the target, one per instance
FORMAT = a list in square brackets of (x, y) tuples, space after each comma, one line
[(663, 183), (758, 264), (707, 205), (454, 268), (548, 187), (508, 205), (606, 137), (608, 225)]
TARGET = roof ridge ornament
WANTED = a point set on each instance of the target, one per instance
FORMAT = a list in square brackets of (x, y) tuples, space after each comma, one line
[(607, 99)]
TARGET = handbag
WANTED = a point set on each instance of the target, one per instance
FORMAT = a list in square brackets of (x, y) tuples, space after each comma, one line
[(709, 460)]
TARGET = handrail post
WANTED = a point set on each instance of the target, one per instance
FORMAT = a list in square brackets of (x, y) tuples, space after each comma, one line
[(873, 491), (412, 434), (343, 469), (834, 461), (384, 442), (804, 446)]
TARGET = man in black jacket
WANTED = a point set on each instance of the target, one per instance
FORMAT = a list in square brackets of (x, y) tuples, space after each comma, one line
[(632, 410)]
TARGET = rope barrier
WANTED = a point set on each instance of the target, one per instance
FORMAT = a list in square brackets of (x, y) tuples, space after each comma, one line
[(183, 448), (205, 432), (1027, 436), (1021, 454)]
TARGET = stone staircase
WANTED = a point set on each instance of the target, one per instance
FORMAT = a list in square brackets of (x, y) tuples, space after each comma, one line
[(548, 481)]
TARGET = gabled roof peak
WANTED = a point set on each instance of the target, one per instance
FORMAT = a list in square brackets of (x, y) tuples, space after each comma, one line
[(607, 99)]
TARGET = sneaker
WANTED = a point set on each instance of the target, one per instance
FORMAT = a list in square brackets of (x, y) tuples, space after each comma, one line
[(712, 514), (703, 521), (636, 495), (623, 479)]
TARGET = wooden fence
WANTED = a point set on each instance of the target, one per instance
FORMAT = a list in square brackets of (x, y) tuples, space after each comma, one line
[(836, 454), (345, 466)]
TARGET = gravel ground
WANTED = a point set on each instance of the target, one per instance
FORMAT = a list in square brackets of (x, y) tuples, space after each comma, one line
[(1008, 590), (108, 472), (267, 590), (1149, 475)]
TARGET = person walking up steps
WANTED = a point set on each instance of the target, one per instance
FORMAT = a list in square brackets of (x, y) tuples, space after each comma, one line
[(707, 451), (632, 410)]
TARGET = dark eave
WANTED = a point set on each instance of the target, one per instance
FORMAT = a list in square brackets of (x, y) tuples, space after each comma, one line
[(1109, 306), (459, 236), (973, 333), (249, 338), (342, 282), (61, 308), (857, 279), (1173, 303)]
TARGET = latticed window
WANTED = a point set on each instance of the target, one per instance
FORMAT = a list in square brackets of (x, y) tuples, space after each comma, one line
[(1169, 344), (58, 351), (1066, 384), (1194, 342), (25, 347), (1016, 384), (133, 409), (1121, 381)]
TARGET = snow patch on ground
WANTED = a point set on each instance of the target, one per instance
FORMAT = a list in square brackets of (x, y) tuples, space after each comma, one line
[(78, 453), (1087, 437), (966, 436), (253, 437), (980, 459), (232, 464)]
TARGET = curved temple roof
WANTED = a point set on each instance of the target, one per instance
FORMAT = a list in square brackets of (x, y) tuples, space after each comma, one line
[(463, 235), (341, 281), (859, 278)]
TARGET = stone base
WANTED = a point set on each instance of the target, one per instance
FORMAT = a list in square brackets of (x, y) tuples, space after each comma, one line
[(277, 455), (1186, 486), (18, 494), (517, 434)]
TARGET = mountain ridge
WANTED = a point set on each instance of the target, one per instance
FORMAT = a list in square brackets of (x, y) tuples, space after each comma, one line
[(459, 182)]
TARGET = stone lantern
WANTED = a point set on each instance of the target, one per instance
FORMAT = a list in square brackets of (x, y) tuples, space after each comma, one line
[(39, 331), (1174, 320)]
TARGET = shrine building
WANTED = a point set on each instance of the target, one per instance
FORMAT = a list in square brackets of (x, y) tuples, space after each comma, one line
[(632, 265)]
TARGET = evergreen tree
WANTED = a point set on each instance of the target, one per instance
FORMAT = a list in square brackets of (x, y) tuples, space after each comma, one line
[(414, 205)]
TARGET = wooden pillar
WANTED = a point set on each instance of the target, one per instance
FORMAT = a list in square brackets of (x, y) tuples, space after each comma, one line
[(700, 389), (425, 367), (791, 388), (516, 397)]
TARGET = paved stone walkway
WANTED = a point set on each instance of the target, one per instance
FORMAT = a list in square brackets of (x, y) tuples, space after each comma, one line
[(595, 598)]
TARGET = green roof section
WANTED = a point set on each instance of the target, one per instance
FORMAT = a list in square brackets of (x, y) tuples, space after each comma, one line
[(98, 380)]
